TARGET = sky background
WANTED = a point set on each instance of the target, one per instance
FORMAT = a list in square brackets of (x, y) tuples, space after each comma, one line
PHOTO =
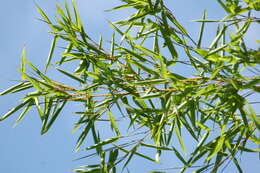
[(23, 149)]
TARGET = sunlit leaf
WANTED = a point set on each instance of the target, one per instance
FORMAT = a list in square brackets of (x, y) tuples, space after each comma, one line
[(105, 142), (51, 52), (13, 110)]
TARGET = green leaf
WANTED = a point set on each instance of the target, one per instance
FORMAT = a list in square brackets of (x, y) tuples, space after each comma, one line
[(132, 151), (201, 29), (53, 44), (144, 68), (13, 110), (156, 48), (139, 57), (220, 34), (163, 67), (105, 142), (218, 147), (71, 75), (243, 115), (224, 6), (139, 15), (33, 81), (175, 22), (113, 45), (104, 102), (150, 96), (169, 43), (76, 13), (43, 15), (147, 51), (98, 170), (156, 147), (180, 139), (253, 116), (113, 123), (16, 87), (25, 111), (179, 156), (201, 142), (53, 117), (23, 64), (45, 18), (67, 50), (150, 82), (120, 7), (113, 156), (203, 126), (38, 72), (202, 169), (68, 10), (83, 135), (137, 153), (36, 101), (116, 28)]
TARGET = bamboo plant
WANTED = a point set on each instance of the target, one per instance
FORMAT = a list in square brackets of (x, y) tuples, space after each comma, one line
[(129, 85)]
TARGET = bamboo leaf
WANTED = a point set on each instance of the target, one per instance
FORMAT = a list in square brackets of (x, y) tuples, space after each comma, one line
[(98, 170), (150, 82), (150, 96), (144, 68), (105, 142), (38, 72), (24, 112), (218, 147), (53, 44), (71, 76), (169, 43), (36, 101), (116, 28), (179, 156), (53, 117), (175, 22), (13, 110), (138, 154), (139, 57), (23, 64), (113, 123), (201, 29), (253, 116), (147, 51), (220, 34), (113, 156), (132, 151), (76, 13), (113, 45), (156, 147), (45, 18), (120, 7), (14, 88), (68, 11), (180, 139), (33, 81), (84, 134)]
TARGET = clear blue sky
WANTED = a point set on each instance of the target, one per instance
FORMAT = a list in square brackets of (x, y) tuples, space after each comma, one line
[(22, 149)]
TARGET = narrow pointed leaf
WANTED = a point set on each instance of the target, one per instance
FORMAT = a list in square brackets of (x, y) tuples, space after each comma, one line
[(71, 75), (113, 123), (201, 29), (53, 44), (25, 111), (105, 142), (13, 110)]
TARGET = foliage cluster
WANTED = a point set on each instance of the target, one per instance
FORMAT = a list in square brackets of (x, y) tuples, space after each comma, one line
[(135, 82)]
